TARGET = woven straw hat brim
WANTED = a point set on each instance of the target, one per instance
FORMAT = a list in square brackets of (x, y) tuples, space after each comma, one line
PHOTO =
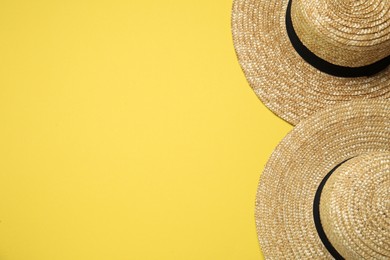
[(284, 202), (284, 82)]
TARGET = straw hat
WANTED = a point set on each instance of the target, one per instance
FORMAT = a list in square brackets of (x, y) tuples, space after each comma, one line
[(325, 190), (302, 55)]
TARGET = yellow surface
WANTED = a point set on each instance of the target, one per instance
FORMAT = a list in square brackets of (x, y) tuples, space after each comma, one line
[(127, 131)]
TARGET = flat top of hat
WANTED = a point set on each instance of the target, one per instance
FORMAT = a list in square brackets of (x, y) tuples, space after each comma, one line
[(300, 56), (325, 189), (354, 208)]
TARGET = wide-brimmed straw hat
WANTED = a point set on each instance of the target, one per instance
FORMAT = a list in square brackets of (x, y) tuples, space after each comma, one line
[(302, 55), (324, 192)]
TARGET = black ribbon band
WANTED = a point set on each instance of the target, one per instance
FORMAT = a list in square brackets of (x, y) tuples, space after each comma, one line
[(317, 219), (327, 67)]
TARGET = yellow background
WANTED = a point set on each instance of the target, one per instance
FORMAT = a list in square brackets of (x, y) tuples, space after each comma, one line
[(127, 131)]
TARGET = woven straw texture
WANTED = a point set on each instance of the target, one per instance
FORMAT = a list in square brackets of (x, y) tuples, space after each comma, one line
[(284, 202), (355, 207), (349, 33), (284, 82)]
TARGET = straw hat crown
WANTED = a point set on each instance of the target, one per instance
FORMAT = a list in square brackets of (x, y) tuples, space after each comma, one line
[(350, 33), (355, 207), (302, 213), (300, 56)]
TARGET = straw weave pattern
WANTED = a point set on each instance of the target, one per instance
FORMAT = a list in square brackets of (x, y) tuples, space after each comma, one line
[(284, 201), (285, 83), (355, 207), (349, 33)]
